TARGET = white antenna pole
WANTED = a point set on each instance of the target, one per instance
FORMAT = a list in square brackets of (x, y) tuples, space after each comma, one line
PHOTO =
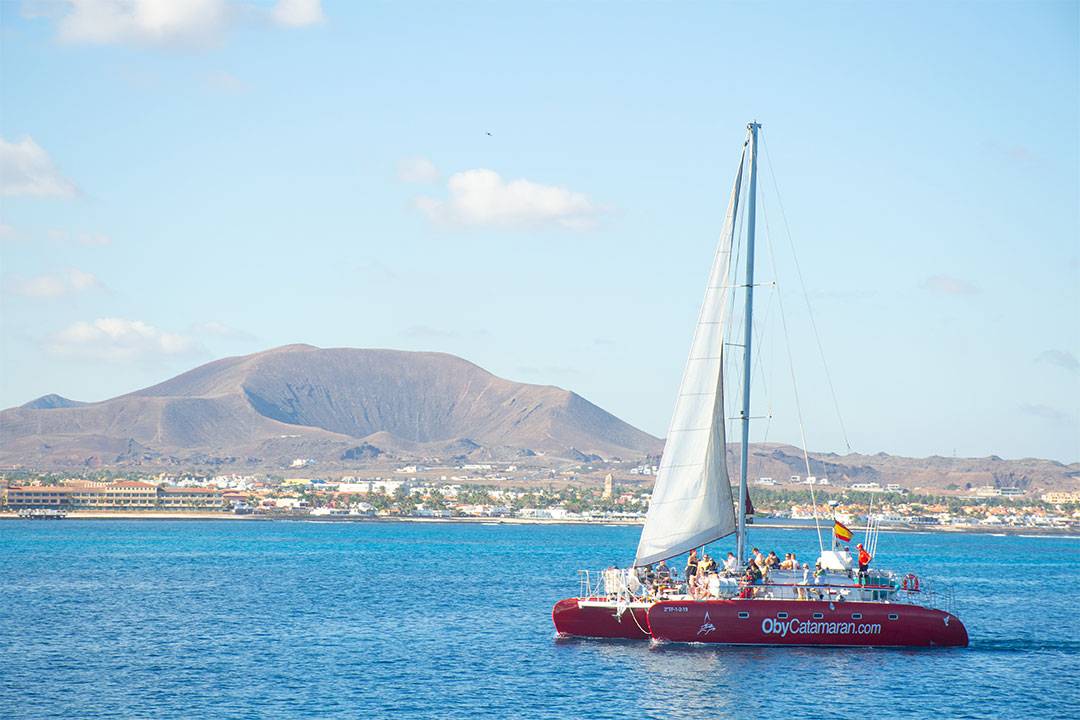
[(869, 514), (748, 335)]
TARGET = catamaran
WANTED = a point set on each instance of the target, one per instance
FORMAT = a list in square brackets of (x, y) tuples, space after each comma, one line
[(692, 505)]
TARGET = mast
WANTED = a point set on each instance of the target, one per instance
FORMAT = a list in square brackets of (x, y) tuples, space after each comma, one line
[(753, 127)]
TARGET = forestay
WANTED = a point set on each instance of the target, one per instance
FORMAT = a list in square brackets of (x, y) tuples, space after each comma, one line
[(691, 502)]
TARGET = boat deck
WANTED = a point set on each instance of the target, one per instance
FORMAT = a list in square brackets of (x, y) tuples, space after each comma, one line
[(879, 586)]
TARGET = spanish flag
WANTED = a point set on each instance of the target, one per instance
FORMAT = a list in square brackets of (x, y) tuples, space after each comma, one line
[(841, 532)]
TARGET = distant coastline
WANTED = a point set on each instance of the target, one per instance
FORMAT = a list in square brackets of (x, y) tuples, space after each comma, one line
[(780, 524)]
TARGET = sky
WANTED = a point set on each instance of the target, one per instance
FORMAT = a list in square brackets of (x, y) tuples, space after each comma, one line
[(538, 188)]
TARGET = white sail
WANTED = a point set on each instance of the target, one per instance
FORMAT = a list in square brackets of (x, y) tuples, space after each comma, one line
[(691, 502)]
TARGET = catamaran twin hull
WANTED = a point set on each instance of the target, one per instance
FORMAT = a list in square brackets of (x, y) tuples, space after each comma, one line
[(692, 505), (762, 622)]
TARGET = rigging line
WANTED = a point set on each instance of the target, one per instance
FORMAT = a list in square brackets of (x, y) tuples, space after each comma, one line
[(738, 312), (806, 297), (869, 515), (791, 366), (766, 384), (733, 270), (758, 369), (759, 338)]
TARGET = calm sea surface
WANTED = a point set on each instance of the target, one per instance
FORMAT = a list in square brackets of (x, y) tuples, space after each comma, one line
[(147, 619)]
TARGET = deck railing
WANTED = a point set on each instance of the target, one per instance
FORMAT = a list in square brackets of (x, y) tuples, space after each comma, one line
[(625, 585)]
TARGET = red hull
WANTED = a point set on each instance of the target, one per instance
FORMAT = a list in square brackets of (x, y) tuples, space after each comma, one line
[(805, 622), (767, 622), (599, 622)]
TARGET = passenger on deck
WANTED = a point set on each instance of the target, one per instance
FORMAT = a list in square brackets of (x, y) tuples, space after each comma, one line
[(707, 565), (699, 586), (747, 583), (712, 585), (663, 573), (691, 567), (756, 572), (772, 561), (801, 590), (731, 565), (788, 563), (758, 557), (819, 579), (864, 563)]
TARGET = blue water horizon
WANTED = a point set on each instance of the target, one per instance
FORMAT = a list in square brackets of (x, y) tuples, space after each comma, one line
[(164, 619)]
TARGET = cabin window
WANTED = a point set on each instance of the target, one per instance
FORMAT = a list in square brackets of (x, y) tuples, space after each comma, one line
[(781, 615), (818, 616), (894, 616), (744, 615), (856, 616)]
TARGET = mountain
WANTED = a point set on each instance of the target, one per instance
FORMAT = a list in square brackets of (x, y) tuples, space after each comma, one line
[(331, 405), (50, 401), (934, 473)]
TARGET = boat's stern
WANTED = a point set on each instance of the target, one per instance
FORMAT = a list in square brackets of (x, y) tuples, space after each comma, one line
[(600, 618)]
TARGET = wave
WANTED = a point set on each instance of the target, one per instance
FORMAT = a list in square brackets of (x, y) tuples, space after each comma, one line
[(1020, 645)]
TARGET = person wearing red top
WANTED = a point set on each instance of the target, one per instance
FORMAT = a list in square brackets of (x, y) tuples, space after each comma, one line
[(864, 562)]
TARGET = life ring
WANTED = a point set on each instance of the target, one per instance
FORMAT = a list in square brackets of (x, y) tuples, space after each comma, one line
[(911, 582)]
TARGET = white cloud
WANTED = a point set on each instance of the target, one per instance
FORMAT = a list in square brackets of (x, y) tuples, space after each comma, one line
[(298, 13), (27, 170), (417, 170), (1062, 358), (118, 340), (6, 232), (481, 197), (1048, 413), (151, 22), (948, 285), (375, 270), (53, 285), (183, 23)]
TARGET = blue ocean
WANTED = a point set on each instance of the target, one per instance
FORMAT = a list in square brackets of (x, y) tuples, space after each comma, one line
[(191, 619)]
